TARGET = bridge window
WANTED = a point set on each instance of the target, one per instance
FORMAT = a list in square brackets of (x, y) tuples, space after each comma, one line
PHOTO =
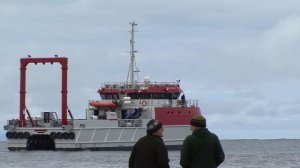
[(109, 96), (152, 95)]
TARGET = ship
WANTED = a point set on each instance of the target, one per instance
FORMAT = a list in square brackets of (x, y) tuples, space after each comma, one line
[(113, 123)]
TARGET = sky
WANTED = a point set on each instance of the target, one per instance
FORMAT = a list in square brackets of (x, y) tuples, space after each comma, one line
[(239, 59)]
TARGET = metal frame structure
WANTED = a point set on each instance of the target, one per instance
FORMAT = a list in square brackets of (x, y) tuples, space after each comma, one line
[(64, 99)]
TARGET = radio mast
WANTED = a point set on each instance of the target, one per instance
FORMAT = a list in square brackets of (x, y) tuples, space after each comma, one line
[(133, 70)]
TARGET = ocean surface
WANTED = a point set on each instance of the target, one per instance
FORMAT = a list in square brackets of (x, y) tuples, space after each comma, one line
[(281, 153)]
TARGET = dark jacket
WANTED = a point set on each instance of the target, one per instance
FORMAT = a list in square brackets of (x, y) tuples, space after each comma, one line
[(202, 149), (149, 152)]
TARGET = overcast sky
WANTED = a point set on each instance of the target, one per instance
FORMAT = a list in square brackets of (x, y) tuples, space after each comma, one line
[(240, 59)]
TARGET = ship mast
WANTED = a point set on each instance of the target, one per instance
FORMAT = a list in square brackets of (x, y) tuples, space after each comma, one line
[(132, 66)]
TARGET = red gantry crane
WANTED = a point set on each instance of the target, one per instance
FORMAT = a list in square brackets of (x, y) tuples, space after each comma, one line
[(64, 99)]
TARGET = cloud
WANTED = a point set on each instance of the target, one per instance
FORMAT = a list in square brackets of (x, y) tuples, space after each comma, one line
[(238, 58), (280, 45)]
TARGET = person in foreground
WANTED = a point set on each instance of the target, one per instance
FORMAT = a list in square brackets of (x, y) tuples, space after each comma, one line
[(201, 149), (150, 150)]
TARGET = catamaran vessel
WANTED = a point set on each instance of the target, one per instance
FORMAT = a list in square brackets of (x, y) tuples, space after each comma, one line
[(114, 122)]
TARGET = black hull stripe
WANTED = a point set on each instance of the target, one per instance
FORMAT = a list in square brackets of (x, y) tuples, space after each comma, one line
[(121, 148)]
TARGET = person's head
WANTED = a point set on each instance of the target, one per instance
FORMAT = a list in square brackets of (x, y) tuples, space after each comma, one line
[(154, 127), (198, 121)]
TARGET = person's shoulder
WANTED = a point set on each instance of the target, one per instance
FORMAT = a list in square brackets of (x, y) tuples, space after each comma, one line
[(152, 138), (189, 137), (215, 136), (144, 138), (157, 139)]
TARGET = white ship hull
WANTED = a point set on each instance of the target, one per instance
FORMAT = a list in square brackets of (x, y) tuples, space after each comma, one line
[(101, 138)]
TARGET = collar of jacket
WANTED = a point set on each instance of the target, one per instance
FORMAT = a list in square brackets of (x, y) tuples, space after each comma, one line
[(155, 136)]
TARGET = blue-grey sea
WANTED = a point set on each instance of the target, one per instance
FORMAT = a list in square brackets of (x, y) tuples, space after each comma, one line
[(280, 153)]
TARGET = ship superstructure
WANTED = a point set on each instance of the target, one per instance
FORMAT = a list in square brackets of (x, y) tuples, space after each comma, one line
[(114, 122)]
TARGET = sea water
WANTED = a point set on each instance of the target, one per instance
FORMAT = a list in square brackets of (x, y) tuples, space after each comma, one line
[(280, 153)]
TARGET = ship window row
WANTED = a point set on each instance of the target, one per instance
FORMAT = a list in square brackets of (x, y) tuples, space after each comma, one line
[(115, 96), (153, 95), (109, 96)]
